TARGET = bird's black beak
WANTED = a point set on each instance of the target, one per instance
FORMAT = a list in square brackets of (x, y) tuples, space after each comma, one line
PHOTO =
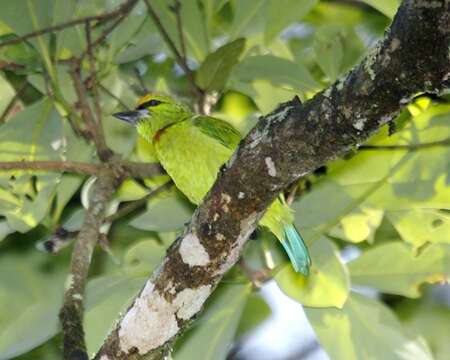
[(132, 116)]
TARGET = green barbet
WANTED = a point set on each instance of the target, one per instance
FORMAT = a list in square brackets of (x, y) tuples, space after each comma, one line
[(192, 148)]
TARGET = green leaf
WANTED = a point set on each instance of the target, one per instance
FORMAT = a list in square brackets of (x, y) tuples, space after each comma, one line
[(215, 69), (255, 312), (387, 7), (358, 225), (33, 134), (23, 16), (141, 258), (329, 50), (364, 329), (215, 329), (29, 135), (247, 14), (431, 322), (421, 226), (277, 70), (164, 214), (283, 13), (328, 283), (30, 298), (393, 268)]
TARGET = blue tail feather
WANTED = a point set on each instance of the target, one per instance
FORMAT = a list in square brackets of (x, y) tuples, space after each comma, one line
[(296, 249)]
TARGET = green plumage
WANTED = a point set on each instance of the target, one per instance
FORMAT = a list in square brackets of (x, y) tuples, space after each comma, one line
[(192, 148)]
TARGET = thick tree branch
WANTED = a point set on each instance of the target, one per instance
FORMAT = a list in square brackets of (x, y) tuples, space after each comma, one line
[(122, 9), (292, 141)]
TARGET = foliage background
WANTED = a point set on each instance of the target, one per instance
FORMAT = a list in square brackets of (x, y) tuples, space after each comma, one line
[(377, 222)]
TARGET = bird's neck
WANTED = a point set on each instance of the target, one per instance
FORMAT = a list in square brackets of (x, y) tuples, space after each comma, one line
[(150, 129)]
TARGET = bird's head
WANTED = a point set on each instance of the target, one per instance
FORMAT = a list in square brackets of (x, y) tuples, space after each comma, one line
[(153, 112)]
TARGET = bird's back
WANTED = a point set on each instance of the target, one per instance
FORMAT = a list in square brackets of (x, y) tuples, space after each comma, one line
[(192, 152)]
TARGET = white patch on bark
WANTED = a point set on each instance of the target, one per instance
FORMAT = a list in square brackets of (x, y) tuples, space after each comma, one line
[(384, 119), (192, 251), (271, 169), (77, 296), (149, 323), (241, 195), (220, 237), (395, 44), (190, 301), (226, 199), (359, 124), (279, 115), (216, 217), (69, 282)]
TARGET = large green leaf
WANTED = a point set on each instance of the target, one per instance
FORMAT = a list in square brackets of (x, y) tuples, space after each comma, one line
[(328, 283), (393, 268), (33, 134), (364, 329), (283, 13), (30, 298), (329, 50), (248, 14), (430, 321), (420, 226), (215, 69), (277, 70), (254, 313), (216, 327)]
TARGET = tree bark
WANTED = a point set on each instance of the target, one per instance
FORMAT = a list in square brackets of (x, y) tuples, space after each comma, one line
[(293, 140)]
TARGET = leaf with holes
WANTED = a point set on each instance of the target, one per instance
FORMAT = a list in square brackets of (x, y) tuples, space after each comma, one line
[(394, 268)]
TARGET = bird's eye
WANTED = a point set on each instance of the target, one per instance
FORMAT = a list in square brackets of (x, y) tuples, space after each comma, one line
[(149, 103)]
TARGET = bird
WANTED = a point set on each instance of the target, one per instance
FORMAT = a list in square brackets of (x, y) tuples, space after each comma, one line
[(192, 149)]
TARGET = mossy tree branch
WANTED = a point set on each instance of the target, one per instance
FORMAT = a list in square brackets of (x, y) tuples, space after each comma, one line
[(290, 142)]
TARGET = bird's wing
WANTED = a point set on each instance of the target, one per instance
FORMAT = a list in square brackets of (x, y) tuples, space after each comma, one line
[(191, 156), (218, 129)]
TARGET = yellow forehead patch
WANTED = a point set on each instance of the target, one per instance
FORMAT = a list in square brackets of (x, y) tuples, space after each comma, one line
[(145, 98)]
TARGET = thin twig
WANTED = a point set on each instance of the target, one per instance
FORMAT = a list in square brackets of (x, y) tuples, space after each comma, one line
[(124, 168), (65, 166), (93, 78), (110, 94), (107, 31), (410, 147), (122, 9), (176, 8), (138, 169), (96, 130), (196, 91)]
